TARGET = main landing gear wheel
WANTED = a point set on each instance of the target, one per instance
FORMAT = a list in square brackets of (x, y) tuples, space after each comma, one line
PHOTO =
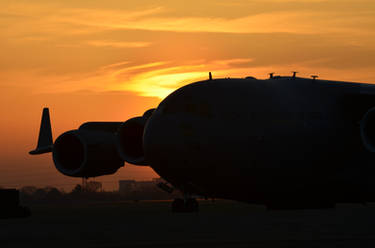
[(185, 206)]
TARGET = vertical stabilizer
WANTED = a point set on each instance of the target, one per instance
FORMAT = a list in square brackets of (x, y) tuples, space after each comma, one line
[(45, 142)]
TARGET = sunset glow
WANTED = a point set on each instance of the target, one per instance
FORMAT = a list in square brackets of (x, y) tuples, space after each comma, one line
[(112, 60)]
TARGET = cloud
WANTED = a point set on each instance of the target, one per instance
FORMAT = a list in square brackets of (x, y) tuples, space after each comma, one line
[(114, 65), (77, 21), (117, 44), (157, 78), (283, 21), (154, 50)]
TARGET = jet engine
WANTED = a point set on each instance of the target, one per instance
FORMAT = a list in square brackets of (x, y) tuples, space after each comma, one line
[(367, 128), (130, 139), (89, 151)]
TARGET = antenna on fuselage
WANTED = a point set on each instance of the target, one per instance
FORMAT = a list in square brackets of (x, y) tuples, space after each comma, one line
[(210, 76), (271, 74), (314, 77), (294, 74)]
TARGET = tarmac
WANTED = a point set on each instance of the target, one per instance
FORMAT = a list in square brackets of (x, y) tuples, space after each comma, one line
[(218, 224)]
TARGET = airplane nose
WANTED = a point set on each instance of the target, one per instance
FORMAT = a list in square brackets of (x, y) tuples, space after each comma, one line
[(166, 145), (157, 137)]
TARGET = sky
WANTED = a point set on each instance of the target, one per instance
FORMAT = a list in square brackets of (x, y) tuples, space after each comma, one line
[(92, 60)]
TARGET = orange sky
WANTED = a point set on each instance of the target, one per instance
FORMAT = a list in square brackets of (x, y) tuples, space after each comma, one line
[(111, 60)]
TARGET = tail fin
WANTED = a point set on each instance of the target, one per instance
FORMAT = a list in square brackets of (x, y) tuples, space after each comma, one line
[(45, 142)]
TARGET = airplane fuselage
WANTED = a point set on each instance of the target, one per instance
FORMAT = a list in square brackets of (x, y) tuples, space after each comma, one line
[(265, 141), (286, 142)]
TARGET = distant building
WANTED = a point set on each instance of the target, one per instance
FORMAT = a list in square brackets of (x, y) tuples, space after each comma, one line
[(145, 190), (126, 186), (129, 186), (145, 185)]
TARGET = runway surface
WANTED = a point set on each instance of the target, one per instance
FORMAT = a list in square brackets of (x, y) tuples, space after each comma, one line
[(219, 224)]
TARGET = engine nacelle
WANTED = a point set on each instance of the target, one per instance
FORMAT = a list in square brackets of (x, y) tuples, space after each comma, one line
[(89, 151), (130, 139), (368, 130)]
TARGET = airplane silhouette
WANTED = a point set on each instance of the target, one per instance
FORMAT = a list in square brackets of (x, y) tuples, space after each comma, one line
[(286, 142)]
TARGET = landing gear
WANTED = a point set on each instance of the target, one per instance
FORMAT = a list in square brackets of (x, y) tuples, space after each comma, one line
[(187, 205)]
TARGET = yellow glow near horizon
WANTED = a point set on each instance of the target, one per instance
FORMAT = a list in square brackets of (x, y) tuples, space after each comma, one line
[(162, 85)]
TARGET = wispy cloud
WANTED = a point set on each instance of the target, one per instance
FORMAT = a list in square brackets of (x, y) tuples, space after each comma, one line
[(114, 65), (117, 44), (151, 79), (75, 21), (81, 32), (282, 21)]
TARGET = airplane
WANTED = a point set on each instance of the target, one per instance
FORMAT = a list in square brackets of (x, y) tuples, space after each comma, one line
[(285, 142)]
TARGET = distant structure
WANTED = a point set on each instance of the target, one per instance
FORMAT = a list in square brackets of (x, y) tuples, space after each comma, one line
[(145, 186), (126, 186), (93, 186), (314, 77)]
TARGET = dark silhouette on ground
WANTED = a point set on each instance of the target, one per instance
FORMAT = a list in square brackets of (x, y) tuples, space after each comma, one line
[(92, 192), (221, 224), (10, 205)]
